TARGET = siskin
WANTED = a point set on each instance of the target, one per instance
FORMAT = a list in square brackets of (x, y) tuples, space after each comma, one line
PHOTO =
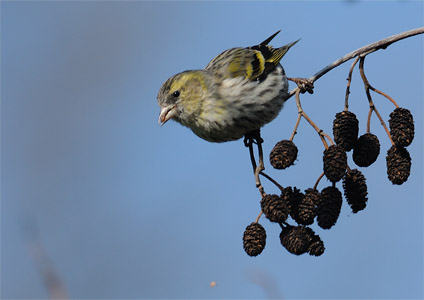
[(238, 92)]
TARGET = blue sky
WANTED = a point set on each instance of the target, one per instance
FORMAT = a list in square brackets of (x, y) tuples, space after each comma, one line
[(127, 209)]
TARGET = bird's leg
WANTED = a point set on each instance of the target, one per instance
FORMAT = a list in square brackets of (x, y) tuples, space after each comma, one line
[(260, 168), (251, 138), (248, 142), (304, 84)]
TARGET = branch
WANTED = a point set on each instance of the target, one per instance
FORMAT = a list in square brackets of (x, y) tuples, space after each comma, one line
[(349, 80), (372, 106), (321, 133), (382, 44)]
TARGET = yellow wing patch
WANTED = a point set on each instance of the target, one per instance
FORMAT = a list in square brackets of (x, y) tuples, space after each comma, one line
[(258, 64)]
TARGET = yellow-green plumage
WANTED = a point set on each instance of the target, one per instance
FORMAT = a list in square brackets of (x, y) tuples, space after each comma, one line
[(239, 91)]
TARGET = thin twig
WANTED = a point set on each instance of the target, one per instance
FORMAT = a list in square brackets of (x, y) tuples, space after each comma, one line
[(318, 180), (299, 106), (258, 217), (300, 110), (319, 131), (369, 119), (296, 126), (371, 103), (382, 44), (349, 80), (272, 180), (328, 137), (385, 95), (51, 278)]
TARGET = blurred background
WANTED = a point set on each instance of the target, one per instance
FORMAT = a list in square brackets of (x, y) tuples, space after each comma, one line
[(98, 201)]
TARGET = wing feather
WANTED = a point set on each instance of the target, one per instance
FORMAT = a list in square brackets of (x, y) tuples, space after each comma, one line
[(253, 63)]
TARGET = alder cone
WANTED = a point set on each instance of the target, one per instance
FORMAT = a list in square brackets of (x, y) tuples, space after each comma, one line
[(355, 190), (316, 247), (329, 207), (398, 165), (304, 210), (296, 239), (335, 163), (366, 150), (402, 128), (254, 239), (345, 129), (283, 154), (275, 209)]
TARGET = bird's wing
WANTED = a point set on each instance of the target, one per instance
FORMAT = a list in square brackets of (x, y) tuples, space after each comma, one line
[(271, 56), (237, 62), (253, 63)]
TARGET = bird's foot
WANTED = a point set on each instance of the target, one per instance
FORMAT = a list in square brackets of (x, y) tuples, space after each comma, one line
[(253, 137)]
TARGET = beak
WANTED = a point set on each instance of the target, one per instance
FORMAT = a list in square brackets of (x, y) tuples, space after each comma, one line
[(167, 113)]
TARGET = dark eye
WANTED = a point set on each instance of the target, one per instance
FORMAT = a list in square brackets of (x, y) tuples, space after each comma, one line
[(176, 94)]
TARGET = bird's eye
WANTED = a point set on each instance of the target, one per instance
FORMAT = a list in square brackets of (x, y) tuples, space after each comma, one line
[(176, 94)]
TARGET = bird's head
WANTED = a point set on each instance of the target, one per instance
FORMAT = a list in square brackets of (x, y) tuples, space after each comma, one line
[(180, 97)]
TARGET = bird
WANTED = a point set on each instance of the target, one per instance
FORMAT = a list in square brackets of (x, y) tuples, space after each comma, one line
[(238, 92)]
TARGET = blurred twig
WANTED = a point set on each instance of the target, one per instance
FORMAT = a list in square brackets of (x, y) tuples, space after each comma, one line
[(266, 281), (51, 279)]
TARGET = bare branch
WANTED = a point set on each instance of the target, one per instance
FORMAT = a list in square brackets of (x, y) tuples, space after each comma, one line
[(296, 126), (349, 80), (372, 106), (320, 132), (382, 44), (385, 95), (318, 180), (272, 180)]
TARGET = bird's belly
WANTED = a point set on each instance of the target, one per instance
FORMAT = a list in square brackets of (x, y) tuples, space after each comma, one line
[(233, 125)]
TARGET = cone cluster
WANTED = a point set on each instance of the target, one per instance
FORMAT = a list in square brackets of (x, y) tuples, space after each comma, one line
[(402, 132), (301, 239), (254, 239), (302, 208), (283, 154), (326, 205)]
